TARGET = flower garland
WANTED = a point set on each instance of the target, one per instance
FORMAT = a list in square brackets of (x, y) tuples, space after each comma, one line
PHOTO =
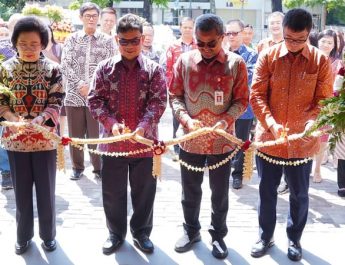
[(283, 163), (159, 147)]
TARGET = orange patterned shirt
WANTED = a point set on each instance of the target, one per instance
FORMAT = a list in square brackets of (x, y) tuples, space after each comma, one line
[(192, 96), (287, 92)]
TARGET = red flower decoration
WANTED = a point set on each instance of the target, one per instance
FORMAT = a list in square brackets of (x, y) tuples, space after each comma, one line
[(336, 93), (246, 145), (65, 141), (341, 71), (158, 147)]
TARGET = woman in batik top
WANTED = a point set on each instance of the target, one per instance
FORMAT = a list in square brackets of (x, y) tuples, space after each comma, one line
[(37, 93)]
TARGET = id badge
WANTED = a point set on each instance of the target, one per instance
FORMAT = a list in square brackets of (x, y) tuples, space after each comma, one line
[(218, 98)]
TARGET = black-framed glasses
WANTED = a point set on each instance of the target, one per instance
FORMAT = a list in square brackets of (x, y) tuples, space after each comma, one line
[(91, 16), (290, 40), (233, 33), (211, 44), (125, 42)]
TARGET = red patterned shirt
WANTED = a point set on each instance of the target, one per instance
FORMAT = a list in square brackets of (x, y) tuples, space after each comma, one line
[(192, 96), (173, 53), (136, 97)]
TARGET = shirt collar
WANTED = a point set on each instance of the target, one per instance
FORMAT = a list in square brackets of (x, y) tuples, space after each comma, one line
[(95, 35), (221, 57), (284, 51), (242, 49)]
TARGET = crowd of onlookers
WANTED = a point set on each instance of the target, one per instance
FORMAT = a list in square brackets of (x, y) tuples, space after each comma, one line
[(91, 86)]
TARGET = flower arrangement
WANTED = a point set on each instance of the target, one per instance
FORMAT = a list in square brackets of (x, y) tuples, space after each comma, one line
[(332, 114)]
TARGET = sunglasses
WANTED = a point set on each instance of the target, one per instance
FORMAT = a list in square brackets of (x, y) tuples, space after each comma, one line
[(211, 44), (126, 42), (232, 33)]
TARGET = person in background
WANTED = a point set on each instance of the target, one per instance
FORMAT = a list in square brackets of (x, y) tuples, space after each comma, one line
[(209, 88), (289, 81), (234, 33), (128, 90), (313, 38), (54, 53), (108, 20), (37, 82), (82, 52), (6, 52), (4, 33), (148, 50), (184, 44), (248, 35), (340, 44), (275, 21), (327, 43)]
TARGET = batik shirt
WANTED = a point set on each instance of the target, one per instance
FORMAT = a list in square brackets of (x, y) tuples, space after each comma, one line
[(80, 56), (194, 94), (134, 96), (38, 90), (173, 53), (287, 91)]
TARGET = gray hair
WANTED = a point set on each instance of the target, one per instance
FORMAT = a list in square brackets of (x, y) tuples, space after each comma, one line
[(89, 6)]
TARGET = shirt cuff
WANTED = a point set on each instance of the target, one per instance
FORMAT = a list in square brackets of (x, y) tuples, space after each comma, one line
[(270, 121)]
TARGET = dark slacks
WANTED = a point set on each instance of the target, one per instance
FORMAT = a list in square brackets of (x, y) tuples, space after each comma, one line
[(82, 125), (176, 124), (242, 127), (192, 193), (39, 169), (298, 181), (115, 175), (341, 173)]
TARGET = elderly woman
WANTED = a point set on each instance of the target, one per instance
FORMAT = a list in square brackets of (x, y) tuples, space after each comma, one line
[(36, 84)]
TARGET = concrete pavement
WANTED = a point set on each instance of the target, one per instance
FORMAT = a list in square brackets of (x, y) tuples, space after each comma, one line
[(81, 228)]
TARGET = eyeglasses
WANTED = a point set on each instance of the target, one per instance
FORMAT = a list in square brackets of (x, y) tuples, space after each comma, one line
[(233, 33), (295, 41), (211, 44), (126, 42), (91, 16), (26, 47)]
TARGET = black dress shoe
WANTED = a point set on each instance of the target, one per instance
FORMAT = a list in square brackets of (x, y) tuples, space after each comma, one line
[(219, 249), (143, 243), (237, 183), (294, 251), (186, 242), (260, 248), (76, 175), (21, 248), (49, 245), (111, 244)]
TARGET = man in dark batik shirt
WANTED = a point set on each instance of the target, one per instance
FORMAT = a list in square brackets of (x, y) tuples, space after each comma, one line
[(128, 90)]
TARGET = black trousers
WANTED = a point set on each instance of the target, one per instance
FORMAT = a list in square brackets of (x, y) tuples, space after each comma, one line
[(341, 173), (242, 128), (192, 193), (39, 169), (116, 171), (298, 181)]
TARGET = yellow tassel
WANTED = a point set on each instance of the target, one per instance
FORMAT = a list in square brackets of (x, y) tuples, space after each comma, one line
[(157, 167), (248, 164)]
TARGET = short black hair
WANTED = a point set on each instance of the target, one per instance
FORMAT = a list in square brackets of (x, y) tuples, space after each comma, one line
[(30, 24), (208, 22), (129, 22), (297, 20), (88, 6)]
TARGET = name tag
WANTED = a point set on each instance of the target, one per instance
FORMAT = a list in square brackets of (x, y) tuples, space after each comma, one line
[(218, 98)]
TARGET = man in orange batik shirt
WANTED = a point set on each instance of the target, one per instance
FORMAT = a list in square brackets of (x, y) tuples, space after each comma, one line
[(289, 81)]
